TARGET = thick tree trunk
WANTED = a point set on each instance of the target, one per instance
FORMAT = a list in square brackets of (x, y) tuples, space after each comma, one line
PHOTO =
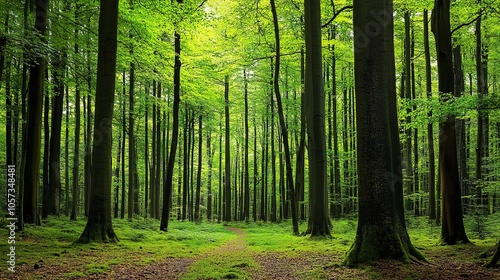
[(33, 130), (452, 227), (381, 232), (99, 224), (430, 132), (319, 221)]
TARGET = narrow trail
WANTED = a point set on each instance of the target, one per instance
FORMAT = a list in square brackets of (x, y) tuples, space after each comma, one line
[(174, 268)]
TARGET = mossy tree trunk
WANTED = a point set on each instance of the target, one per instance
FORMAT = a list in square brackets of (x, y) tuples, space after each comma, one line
[(381, 232), (99, 224)]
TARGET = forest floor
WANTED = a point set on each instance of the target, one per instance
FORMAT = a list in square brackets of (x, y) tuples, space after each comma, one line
[(235, 251)]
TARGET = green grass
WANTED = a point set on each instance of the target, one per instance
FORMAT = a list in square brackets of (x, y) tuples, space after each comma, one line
[(141, 242)]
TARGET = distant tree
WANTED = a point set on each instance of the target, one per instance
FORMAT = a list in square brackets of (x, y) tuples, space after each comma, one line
[(381, 232), (99, 224), (452, 226), (227, 154), (319, 221), (430, 130)]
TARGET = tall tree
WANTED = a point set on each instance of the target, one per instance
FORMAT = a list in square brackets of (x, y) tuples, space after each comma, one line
[(379, 157), (482, 116), (227, 154), (284, 130), (54, 187), (33, 129), (452, 226), (131, 137), (430, 130), (319, 221), (99, 224), (167, 184)]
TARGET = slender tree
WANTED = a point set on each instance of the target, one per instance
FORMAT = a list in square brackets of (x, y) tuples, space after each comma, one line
[(284, 131), (430, 131), (168, 183), (99, 224), (227, 154)]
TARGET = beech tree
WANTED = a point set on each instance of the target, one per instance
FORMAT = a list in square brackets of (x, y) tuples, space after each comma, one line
[(99, 224), (319, 221), (33, 129), (452, 226), (381, 232)]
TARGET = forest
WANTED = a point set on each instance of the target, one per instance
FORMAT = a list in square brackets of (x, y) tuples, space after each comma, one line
[(230, 139)]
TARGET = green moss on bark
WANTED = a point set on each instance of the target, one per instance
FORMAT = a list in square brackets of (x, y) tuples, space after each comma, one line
[(375, 242)]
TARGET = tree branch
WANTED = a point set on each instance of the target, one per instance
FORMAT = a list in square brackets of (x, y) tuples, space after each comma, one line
[(335, 15), (468, 23)]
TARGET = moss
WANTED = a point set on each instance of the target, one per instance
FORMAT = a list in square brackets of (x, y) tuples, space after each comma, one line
[(381, 242)]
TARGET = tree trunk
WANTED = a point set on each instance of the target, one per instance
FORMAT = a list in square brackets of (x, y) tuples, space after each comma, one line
[(197, 216), (381, 232), (76, 157), (168, 184), (299, 173), (209, 176), (460, 126), (99, 224), (284, 131), (319, 221), (246, 210), (452, 227), (496, 257), (482, 119), (227, 154), (430, 132), (88, 144), (33, 129), (146, 154), (131, 145)]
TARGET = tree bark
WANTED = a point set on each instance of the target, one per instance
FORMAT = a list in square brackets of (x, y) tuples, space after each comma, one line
[(319, 221), (284, 131), (99, 224), (227, 155), (452, 227), (381, 232), (33, 129), (197, 216), (430, 133)]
